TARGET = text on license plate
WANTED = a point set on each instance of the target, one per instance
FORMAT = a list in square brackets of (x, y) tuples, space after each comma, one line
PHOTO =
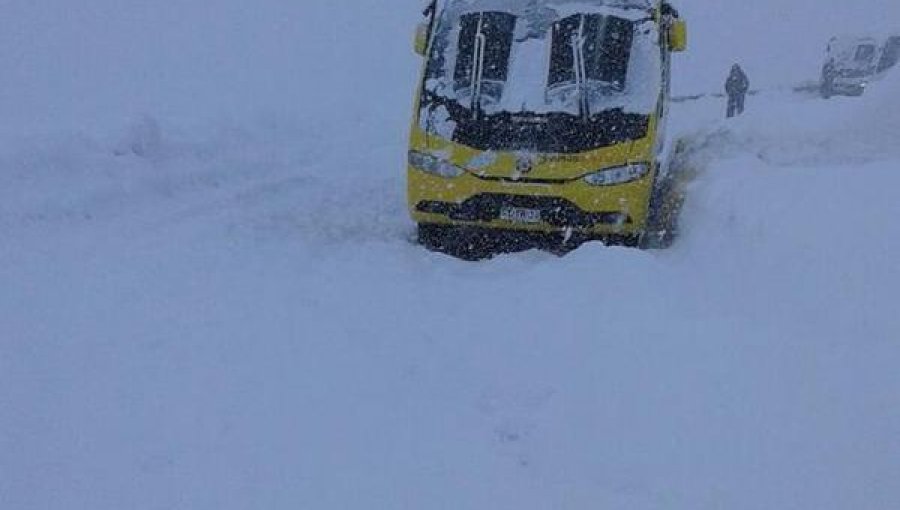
[(520, 215)]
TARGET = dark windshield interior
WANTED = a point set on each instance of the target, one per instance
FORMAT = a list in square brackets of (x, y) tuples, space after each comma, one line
[(605, 45), (891, 54), (557, 132), (486, 39), (864, 53)]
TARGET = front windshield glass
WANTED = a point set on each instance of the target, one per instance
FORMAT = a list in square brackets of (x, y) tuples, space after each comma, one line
[(865, 53), (891, 54), (548, 76)]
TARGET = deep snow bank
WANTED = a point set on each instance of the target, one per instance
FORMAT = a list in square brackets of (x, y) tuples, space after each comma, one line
[(217, 314), (249, 333), (281, 173), (784, 128)]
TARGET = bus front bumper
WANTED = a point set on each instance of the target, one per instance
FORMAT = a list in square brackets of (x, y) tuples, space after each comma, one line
[(570, 206)]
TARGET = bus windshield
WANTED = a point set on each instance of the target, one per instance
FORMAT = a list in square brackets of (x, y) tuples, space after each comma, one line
[(541, 76), (891, 54)]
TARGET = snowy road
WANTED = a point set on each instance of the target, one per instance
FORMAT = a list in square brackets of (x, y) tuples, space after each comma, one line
[(234, 323), (228, 314)]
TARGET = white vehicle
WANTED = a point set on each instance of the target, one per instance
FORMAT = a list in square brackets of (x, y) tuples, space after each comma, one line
[(850, 64)]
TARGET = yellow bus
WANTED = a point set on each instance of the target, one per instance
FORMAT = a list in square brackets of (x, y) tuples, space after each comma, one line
[(542, 121)]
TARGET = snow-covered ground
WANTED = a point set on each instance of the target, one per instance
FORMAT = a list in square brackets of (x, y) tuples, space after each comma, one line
[(200, 311)]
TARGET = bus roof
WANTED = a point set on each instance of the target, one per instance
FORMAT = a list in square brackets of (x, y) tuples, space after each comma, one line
[(589, 4)]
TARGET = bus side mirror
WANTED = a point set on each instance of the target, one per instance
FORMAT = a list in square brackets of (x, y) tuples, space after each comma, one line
[(421, 44), (678, 37)]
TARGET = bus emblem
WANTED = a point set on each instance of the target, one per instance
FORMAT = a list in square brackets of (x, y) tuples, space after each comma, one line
[(524, 164)]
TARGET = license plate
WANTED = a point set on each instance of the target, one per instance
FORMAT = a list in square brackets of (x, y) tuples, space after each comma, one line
[(520, 215)]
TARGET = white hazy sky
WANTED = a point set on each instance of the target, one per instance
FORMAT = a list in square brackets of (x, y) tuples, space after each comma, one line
[(777, 41)]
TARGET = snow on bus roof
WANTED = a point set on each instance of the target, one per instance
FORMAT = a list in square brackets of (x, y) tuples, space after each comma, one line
[(568, 5), (628, 9)]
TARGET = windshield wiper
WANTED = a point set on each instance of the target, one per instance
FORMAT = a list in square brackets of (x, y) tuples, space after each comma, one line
[(478, 51), (578, 42)]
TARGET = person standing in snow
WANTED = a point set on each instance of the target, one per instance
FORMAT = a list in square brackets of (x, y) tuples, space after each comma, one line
[(736, 86), (829, 73)]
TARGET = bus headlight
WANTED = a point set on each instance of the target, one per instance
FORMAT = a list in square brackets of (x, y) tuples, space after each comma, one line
[(618, 175), (434, 165)]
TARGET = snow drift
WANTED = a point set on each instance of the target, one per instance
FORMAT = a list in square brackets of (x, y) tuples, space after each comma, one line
[(209, 313)]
